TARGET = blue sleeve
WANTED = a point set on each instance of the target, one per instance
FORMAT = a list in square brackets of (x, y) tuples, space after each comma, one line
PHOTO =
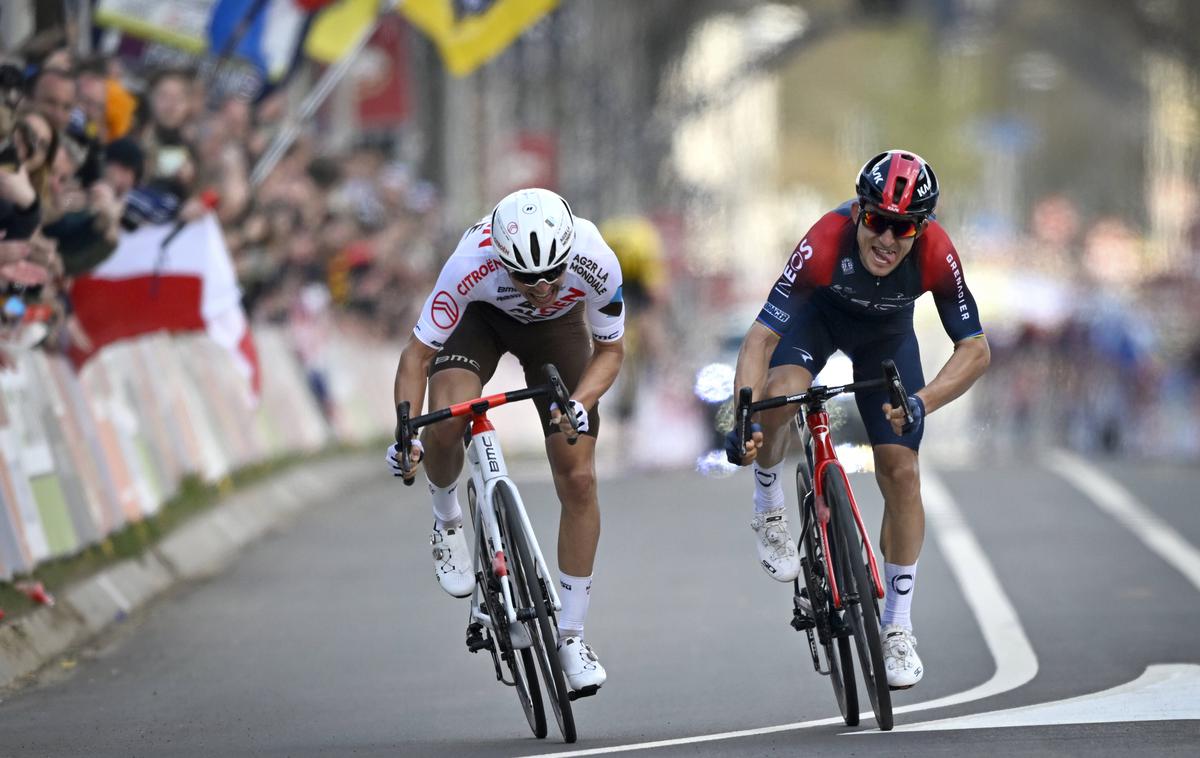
[(960, 317)]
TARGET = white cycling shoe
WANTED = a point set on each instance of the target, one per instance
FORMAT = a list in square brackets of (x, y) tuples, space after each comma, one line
[(452, 560), (580, 665), (900, 657), (776, 549)]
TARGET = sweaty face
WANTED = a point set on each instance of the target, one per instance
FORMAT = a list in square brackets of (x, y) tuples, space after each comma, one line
[(882, 251)]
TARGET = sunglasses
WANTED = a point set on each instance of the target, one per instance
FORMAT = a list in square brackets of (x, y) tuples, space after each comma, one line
[(550, 276), (902, 228)]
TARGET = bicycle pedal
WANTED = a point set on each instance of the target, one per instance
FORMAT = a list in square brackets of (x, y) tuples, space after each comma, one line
[(476, 641), (802, 621), (587, 691)]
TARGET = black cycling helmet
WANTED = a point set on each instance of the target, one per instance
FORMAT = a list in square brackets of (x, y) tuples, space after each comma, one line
[(899, 182)]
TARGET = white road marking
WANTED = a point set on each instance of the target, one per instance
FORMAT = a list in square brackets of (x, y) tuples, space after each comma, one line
[(1165, 692), (1015, 660), (1112, 498)]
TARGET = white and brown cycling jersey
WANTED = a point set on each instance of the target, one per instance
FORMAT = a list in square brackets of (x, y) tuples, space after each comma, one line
[(474, 274)]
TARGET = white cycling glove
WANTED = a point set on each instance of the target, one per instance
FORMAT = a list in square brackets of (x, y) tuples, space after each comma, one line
[(394, 452), (581, 415)]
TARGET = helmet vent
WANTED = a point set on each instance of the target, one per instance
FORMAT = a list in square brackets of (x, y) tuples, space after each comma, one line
[(517, 252), (535, 249), (898, 192)]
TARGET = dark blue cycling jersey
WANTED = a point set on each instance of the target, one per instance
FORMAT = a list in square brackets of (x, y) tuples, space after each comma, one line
[(827, 300), (828, 259)]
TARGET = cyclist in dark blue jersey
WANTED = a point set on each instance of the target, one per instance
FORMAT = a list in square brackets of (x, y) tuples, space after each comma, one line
[(850, 285)]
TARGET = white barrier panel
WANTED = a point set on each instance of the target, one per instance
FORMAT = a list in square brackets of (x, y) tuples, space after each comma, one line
[(82, 455)]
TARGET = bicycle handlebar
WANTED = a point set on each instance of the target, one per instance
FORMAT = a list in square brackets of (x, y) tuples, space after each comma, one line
[(891, 379), (555, 388)]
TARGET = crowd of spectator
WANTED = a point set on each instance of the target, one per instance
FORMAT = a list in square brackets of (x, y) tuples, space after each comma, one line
[(1099, 351), (93, 149)]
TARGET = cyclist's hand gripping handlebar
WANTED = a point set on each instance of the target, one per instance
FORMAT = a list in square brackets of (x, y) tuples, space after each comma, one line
[(404, 441), (743, 430), (560, 396), (899, 396)]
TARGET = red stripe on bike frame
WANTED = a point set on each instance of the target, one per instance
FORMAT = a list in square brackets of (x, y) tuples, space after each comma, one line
[(499, 565), (480, 424)]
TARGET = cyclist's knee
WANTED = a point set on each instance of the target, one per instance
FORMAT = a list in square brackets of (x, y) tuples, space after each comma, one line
[(576, 481), (897, 472)]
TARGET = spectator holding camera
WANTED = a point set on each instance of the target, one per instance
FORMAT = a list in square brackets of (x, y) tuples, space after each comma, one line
[(26, 158)]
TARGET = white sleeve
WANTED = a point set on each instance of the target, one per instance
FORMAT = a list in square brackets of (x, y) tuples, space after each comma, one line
[(606, 314), (443, 308)]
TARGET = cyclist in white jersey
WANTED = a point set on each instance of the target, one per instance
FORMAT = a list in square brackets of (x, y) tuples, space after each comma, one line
[(521, 280)]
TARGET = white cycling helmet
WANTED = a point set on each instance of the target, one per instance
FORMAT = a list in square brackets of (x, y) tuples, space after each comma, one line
[(533, 231)]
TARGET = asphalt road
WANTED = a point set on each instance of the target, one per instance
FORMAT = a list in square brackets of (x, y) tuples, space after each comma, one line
[(331, 637)]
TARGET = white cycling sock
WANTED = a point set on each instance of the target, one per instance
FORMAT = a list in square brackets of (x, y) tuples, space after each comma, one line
[(575, 592), (898, 582), (445, 504), (768, 490)]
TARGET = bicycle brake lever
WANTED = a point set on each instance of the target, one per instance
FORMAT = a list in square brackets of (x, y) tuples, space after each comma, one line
[(558, 393), (896, 387), (745, 397), (404, 441)]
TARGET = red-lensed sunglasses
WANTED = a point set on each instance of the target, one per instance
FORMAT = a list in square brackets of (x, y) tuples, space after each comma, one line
[(902, 228)]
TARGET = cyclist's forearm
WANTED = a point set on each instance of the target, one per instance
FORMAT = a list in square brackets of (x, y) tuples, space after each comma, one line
[(600, 372), (754, 358), (412, 374), (970, 359)]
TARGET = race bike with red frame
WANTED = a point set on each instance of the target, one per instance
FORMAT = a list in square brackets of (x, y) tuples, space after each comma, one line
[(841, 584)]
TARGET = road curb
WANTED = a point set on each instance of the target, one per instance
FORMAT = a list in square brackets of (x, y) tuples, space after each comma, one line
[(202, 547)]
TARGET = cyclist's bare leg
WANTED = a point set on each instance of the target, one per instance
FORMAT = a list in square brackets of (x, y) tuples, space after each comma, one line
[(899, 479), (781, 380), (574, 469), (443, 440)]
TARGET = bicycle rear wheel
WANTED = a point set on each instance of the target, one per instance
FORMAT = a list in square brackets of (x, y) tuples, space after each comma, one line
[(837, 649), (519, 663), (544, 632), (858, 596)]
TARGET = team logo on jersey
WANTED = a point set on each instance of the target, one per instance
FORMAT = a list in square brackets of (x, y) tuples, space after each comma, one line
[(475, 276), (444, 310), (591, 272), (847, 265), (525, 312), (780, 314), (807, 356)]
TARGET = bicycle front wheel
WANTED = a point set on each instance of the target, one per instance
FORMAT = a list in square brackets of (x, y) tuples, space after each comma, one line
[(857, 595), (836, 646), (544, 632), (519, 662)]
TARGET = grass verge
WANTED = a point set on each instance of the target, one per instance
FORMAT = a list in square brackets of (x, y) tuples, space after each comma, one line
[(135, 538)]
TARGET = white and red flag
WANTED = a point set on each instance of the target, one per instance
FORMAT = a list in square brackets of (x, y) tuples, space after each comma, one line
[(187, 285)]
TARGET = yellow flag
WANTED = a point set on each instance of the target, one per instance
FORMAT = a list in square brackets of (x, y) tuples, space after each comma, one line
[(469, 38), (337, 28)]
